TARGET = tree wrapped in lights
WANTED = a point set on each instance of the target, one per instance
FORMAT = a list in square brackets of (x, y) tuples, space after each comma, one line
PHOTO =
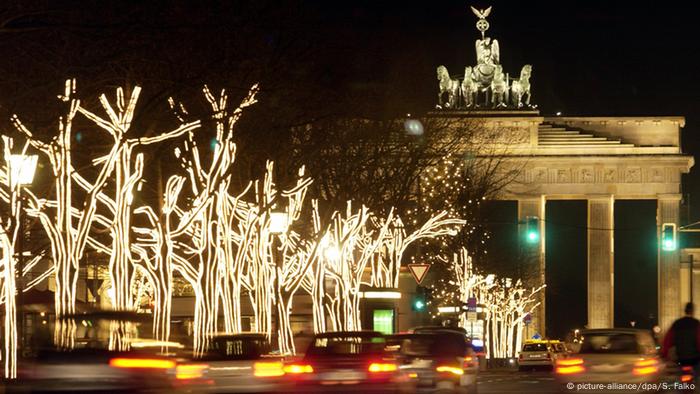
[(68, 241), (360, 249), (395, 241), (9, 240), (196, 237), (505, 304)]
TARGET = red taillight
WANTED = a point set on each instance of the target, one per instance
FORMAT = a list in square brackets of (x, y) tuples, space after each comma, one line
[(646, 367), (470, 362), (268, 369), (190, 371), (142, 363), (570, 366), (297, 369), (382, 367)]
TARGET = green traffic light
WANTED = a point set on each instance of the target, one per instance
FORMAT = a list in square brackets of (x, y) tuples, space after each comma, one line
[(669, 245), (419, 305), (668, 237), (532, 236), (532, 230)]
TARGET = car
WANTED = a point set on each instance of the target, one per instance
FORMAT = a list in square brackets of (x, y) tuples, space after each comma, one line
[(540, 354), (618, 356), (243, 363), (560, 350), (437, 361), (347, 361), (476, 344), (147, 366)]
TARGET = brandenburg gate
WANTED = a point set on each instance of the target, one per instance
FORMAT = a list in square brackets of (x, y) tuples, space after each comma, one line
[(597, 159)]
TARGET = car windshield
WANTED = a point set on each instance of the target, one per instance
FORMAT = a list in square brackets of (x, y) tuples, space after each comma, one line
[(621, 343), (347, 345), (434, 345), (535, 347)]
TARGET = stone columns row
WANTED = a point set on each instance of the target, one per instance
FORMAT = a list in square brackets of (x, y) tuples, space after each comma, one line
[(601, 260)]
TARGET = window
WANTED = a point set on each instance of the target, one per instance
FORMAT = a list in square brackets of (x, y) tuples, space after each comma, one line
[(620, 343), (383, 321)]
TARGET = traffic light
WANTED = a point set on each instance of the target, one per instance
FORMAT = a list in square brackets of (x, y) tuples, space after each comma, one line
[(419, 300), (532, 229), (668, 237)]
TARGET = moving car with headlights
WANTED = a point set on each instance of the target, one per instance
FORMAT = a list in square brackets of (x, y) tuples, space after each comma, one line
[(92, 366), (437, 361), (616, 356), (346, 362), (243, 363)]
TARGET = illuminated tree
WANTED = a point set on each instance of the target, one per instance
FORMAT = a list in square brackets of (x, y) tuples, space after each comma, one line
[(9, 234), (67, 240)]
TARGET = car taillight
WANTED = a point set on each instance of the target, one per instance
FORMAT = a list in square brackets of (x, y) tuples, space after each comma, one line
[(570, 366), (142, 363), (268, 369), (687, 374), (190, 371), (296, 369), (449, 369), (382, 367), (469, 362), (646, 367)]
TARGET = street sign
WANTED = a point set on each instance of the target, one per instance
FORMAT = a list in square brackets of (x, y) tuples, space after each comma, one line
[(418, 271), (527, 319), (471, 316)]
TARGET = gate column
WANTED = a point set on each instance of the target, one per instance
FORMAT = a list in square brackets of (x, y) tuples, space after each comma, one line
[(600, 262), (534, 206), (667, 207)]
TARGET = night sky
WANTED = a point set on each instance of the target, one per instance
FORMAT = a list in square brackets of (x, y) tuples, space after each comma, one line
[(589, 58)]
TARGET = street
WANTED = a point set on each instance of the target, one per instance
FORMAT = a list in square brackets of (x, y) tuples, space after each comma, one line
[(510, 381)]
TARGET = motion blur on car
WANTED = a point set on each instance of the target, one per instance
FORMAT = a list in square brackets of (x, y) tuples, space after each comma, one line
[(96, 363), (613, 356), (350, 361), (243, 363), (437, 361), (538, 353)]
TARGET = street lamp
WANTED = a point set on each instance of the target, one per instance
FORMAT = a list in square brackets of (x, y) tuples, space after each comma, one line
[(278, 222), (22, 169)]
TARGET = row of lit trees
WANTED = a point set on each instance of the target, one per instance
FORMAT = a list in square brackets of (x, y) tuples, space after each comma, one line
[(260, 242), (505, 303)]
